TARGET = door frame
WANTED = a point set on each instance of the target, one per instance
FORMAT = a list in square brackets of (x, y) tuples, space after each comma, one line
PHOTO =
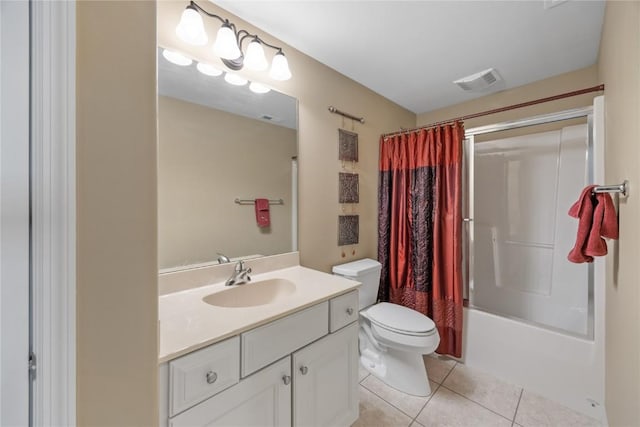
[(53, 198), (14, 218)]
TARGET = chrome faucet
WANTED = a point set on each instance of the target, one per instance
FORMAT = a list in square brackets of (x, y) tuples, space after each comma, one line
[(223, 259), (240, 275)]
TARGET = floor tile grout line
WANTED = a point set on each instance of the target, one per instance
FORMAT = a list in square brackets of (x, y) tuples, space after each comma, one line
[(429, 398), (515, 414), (449, 373), (477, 403), (365, 377), (433, 392)]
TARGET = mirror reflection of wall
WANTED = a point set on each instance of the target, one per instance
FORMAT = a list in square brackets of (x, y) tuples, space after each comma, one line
[(219, 142)]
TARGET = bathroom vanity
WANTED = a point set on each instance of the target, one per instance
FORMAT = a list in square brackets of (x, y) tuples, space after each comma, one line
[(269, 356)]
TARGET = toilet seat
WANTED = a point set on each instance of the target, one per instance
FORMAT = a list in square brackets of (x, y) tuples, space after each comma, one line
[(422, 344), (401, 320)]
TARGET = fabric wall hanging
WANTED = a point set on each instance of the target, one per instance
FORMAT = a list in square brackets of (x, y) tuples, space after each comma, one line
[(348, 229)]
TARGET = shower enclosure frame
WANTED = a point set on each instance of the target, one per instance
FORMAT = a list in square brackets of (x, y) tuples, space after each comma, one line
[(468, 206)]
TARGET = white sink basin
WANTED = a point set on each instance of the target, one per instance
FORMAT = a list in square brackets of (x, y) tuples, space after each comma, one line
[(252, 294)]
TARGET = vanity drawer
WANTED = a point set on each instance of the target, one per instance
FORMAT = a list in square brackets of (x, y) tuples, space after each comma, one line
[(203, 373), (343, 310), (270, 342)]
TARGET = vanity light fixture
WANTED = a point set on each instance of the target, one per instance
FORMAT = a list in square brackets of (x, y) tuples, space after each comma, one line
[(229, 41), (280, 67), (255, 59), (235, 79), (176, 58), (226, 45), (208, 70), (191, 28), (256, 87)]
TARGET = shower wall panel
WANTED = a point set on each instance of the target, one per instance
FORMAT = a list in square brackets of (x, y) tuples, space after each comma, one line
[(524, 187)]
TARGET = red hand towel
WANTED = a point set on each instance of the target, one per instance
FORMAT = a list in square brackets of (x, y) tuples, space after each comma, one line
[(262, 212), (605, 224), (610, 218), (583, 210)]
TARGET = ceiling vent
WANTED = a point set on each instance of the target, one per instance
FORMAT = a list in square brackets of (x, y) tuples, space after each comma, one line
[(548, 4), (479, 81), (270, 118)]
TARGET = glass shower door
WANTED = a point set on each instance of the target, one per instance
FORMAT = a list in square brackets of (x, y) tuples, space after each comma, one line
[(521, 191)]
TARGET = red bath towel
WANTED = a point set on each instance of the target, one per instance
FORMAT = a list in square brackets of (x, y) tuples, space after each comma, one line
[(605, 224), (594, 222), (262, 212)]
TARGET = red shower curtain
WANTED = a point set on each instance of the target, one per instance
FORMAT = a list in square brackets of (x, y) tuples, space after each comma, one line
[(420, 225)]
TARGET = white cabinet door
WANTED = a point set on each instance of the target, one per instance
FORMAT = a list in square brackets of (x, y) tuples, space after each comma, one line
[(325, 391), (262, 399)]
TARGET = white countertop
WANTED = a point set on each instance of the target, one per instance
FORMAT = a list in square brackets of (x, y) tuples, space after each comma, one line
[(187, 323)]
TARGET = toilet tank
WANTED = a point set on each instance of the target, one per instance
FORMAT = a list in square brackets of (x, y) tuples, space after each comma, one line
[(365, 271)]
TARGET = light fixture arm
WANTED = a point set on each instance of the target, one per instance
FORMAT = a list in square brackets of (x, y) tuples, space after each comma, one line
[(211, 15), (256, 37)]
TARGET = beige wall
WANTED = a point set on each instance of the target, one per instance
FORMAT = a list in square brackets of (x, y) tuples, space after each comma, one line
[(580, 79), (116, 214), (207, 158), (619, 69), (316, 87)]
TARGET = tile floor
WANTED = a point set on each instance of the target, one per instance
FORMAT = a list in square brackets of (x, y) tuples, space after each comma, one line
[(460, 397)]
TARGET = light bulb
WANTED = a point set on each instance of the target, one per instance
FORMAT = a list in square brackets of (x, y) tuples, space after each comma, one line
[(235, 79), (226, 45), (208, 70), (176, 58), (191, 28), (258, 88), (254, 58), (280, 67)]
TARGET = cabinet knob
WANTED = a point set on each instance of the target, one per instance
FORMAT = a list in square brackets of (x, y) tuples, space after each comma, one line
[(211, 377), (349, 311), (286, 380), (304, 370)]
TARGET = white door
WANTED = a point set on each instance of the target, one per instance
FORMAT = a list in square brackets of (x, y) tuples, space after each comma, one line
[(325, 386), (14, 210)]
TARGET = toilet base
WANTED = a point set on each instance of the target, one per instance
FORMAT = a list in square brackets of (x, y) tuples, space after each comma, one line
[(401, 370)]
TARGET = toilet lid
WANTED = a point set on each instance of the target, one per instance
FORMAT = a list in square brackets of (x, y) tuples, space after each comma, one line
[(399, 318)]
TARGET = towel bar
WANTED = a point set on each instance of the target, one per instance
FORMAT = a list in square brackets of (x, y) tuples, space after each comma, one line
[(252, 201), (619, 188)]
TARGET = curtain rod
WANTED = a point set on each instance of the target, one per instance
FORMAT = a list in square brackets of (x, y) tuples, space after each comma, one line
[(597, 88), (334, 110)]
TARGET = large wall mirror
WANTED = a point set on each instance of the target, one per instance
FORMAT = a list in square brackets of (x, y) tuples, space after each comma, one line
[(219, 142)]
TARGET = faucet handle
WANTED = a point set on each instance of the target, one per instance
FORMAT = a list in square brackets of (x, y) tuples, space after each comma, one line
[(222, 258), (240, 266)]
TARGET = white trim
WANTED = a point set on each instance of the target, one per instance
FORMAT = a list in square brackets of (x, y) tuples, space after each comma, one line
[(600, 263), (530, 121), (53, 211), (14, 213)]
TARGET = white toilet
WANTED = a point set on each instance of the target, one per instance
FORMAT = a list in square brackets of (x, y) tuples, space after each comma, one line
[(393, 338)]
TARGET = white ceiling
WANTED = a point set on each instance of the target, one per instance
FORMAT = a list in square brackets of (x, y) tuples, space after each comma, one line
[(411, 51)]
